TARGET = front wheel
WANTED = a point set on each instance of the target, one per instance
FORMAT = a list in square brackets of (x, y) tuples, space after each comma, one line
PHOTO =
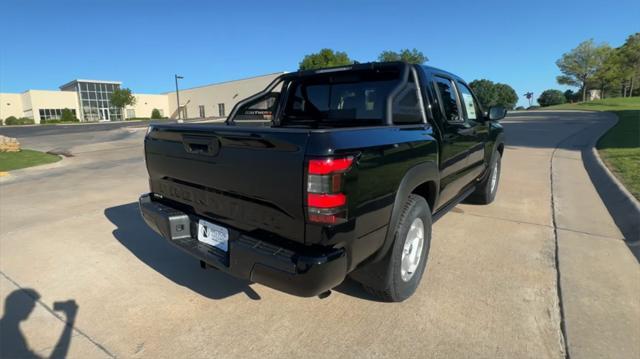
[(407, 259), (486, 191)]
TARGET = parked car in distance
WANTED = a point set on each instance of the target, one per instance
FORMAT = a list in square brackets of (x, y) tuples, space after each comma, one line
[(326, 174)]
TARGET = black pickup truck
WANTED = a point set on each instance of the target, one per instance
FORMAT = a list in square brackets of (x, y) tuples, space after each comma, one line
[(324, 174)]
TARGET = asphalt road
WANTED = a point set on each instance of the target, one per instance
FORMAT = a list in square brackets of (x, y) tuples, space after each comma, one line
[(542, 269)]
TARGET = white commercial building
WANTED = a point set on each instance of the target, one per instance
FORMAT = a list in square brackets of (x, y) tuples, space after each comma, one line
[(90, 100)]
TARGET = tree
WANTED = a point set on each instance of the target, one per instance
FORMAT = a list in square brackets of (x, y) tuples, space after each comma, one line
[(529, 96), (411, 56), (628, 58), (155, 114), (485, 91), (580, 64), (506, 96), (570, 96), (121, 98), (551, 97), (67, 116), (494, 94), (325, 58)]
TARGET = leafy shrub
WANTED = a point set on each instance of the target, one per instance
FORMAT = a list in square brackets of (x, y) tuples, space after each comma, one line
[(551, 97), (68, 116), (519, 108), (155, 114), (12, 120), (1, 122), (533, 107)]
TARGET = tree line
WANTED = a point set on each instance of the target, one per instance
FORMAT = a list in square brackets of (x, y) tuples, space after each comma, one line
[(488, 93), (615, 72)]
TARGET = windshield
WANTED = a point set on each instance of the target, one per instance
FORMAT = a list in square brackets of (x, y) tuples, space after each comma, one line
[(353, 98)]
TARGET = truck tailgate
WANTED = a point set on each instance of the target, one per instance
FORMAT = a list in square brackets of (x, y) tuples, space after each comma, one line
[(247, 178)]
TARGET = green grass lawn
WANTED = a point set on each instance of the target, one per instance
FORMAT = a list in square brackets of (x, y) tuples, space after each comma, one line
[(608, 104), (620, 149), (10, 161), (620, 146)]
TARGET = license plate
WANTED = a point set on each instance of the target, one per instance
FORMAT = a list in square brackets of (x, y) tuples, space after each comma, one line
[(213, 235)]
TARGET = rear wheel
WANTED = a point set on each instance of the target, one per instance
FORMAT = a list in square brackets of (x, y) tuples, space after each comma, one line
[(405, 264), (486, 191)]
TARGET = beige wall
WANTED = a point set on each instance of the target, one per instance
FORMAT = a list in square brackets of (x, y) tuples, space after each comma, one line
[(145, 103), (41, 99), (29, 103), (210, 96), (11, 105)]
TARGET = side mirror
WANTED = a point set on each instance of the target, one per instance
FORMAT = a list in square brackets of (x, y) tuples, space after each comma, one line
[(497, 113)]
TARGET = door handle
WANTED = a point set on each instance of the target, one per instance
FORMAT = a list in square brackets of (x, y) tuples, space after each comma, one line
[(201, 145)]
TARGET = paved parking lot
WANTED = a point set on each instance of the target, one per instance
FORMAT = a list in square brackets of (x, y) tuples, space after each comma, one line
[(72, 232)]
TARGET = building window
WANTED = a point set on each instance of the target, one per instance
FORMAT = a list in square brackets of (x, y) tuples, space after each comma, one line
[(131, 113), (201, 107), (221, 110), (47, 114)]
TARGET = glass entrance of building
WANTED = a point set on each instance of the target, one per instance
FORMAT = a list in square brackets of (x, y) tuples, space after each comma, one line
[(95, 99), (104, 114)]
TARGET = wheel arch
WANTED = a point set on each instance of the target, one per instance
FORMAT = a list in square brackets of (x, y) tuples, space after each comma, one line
[(423, 180)]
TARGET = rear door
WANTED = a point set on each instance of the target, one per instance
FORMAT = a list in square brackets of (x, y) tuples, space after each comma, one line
[(250, 178)]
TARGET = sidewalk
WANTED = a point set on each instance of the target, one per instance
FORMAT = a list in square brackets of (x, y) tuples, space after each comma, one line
[(599, 276)]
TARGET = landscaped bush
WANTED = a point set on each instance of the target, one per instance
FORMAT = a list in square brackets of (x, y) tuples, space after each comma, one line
[(68, 116), (155, 114), (12, 120), (533, 107), (551, 97), (519, 108)]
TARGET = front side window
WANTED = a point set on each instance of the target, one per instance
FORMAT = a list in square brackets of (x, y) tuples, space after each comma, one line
[(448, 99), (469, 103)]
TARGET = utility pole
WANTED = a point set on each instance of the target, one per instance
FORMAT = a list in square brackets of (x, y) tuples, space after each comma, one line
[(178, 98)]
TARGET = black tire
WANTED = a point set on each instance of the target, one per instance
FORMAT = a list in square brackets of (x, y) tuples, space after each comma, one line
[(485, 193), (391, 287)]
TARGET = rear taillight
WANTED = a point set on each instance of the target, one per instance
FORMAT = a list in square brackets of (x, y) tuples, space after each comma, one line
[(325, 201)]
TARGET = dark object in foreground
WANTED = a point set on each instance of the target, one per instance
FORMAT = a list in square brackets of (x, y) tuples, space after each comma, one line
[(325, 174)]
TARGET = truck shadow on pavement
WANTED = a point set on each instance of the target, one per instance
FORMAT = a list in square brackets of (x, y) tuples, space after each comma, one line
[(154, 251), (18, 306)]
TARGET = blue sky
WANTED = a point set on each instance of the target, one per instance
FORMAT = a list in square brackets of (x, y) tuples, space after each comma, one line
[(143, 43)]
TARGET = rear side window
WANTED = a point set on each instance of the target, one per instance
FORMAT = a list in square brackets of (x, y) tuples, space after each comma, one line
[(339, 99), (406, 107), (448, 99)]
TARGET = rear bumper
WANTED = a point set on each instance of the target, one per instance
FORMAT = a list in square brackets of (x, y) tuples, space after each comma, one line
[(303, 274)]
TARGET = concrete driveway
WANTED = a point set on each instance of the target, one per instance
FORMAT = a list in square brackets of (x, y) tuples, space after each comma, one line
[(542, 269)]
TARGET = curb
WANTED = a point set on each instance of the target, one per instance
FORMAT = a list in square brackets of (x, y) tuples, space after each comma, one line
[(623, 207)]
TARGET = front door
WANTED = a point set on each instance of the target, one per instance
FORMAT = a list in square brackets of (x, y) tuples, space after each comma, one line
[(104, 114), (456, 141), (476, 133)]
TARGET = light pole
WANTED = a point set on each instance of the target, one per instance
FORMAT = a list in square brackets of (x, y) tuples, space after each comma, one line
[(178, 98)]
